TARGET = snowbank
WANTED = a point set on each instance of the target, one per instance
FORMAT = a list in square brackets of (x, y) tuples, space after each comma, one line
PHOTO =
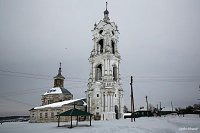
[(168, 124)]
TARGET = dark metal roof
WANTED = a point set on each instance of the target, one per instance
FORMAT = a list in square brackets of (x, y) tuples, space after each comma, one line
[(59, 76), (59, 73), (106, 12), (75, 112), (65, 91)]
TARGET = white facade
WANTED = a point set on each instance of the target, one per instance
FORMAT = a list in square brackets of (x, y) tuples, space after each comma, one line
[(105, 94)]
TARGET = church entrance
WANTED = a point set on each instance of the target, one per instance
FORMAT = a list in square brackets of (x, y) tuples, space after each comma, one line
[(116, 112)]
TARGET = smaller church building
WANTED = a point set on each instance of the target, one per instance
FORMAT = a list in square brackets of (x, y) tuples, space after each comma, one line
[(55, 101)]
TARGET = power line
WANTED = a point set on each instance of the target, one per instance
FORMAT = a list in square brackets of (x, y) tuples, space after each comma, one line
[(26, 73), (72, 80), (124, 77), (24, 76), (16, 101), (165, 80), (22, 92), (35, 90), (38, 76)]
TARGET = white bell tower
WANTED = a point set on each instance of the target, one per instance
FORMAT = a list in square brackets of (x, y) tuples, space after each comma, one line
[(105, 94)]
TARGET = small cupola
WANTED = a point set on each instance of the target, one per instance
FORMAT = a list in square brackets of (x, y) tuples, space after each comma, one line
[(59, 79), (106, 13)]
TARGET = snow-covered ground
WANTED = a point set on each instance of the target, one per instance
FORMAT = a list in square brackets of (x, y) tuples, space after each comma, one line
[(168, 124)]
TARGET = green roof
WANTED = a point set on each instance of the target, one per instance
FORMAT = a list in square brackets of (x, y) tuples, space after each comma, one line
[(74, 112)]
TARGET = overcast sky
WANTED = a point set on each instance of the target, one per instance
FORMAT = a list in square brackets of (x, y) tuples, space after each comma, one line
[(159, 43)]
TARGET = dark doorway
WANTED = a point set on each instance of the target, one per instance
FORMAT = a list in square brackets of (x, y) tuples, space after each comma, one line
[(117, 112)]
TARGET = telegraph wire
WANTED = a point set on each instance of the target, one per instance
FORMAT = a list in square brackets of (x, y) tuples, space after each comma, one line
[(16, 101), (12, 75), (40, 75), (36, 90), (23, 76), (21, 92), (26, 73), (167, 78), (35, 76), (144, 79)]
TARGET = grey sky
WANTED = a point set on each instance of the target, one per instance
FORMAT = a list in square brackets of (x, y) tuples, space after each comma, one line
[(159, 44)]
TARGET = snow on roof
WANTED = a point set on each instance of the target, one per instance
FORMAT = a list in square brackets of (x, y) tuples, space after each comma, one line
[(60, 104), (127, 114), (108, 87), (57, 90)]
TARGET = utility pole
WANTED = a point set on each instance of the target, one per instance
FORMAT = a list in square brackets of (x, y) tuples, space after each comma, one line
[(199, 99), (172, 106), (160, 109), (157, 110), (147, 106), (160, 106), (132, 101)]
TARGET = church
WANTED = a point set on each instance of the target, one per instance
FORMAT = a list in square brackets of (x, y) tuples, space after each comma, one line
[(55, 101), (105, 94)]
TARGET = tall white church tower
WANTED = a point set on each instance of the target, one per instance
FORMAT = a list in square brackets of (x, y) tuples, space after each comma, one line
[(105, 94)]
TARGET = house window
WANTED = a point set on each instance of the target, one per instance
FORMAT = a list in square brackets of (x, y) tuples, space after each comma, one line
[(40, 116), (49, 101), (58, 113), (97, 113), (32, 116), (97, 95), (97, 107), (52, 114), (115, 95), (46, 115)]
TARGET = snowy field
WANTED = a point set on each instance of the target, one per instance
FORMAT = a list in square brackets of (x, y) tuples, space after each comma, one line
[(168, 124)]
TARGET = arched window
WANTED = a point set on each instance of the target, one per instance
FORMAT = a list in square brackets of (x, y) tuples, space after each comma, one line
[(114, 73), (101, 46), (113, 32), (101, 31), (98, 72), (113, 47)]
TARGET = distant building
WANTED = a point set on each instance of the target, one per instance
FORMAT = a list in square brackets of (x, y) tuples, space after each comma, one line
[(55, 101), (105, 94), (139, 113)]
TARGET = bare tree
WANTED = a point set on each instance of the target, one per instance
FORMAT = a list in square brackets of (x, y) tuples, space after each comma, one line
[(125, 109), (151, 108)]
